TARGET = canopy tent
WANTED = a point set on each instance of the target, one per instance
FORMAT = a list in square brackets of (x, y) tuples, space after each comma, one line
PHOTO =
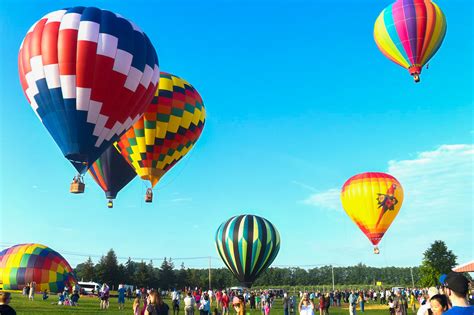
[(467, 267)]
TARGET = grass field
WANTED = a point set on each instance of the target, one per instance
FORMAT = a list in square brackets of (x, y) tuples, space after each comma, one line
[(90, 305)]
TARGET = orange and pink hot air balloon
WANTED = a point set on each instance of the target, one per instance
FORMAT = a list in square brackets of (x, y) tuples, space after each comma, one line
[(372, 201), (409, 32)]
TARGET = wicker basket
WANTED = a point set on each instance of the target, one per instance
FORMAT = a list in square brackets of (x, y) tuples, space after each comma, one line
[(77, 188)]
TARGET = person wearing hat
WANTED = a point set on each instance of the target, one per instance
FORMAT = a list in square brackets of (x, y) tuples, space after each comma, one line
[(425, 307), (456, 287)]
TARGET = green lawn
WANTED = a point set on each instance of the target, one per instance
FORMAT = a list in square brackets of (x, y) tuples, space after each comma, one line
[(90, 305)]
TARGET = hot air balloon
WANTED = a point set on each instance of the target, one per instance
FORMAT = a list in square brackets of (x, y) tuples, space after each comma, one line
[(167, 131), (409, 32), (112, 173), (26, 263), (247, 244), (372, 201), (88, 74)]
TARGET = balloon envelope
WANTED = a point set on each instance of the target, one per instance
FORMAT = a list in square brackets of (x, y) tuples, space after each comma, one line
[(409, 32), (167, 131), (372, 201), (88, 74), (25, 263), (247, 244), (111, 172)]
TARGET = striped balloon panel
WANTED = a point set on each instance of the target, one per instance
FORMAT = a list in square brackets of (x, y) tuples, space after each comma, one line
[(247, 244), (167, 131), (88, 74), (111, 172), (25, 263), (409, 32), (372, 201)]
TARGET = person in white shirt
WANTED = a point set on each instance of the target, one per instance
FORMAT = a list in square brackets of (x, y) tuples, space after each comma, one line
[(175, 301), (189, 304)]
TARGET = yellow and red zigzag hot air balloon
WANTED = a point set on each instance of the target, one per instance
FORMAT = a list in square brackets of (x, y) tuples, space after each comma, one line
[(409, 32), (372, 201), (167, 131)]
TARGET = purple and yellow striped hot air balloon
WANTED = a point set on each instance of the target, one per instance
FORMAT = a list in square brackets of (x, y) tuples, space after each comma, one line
[(409, 32)]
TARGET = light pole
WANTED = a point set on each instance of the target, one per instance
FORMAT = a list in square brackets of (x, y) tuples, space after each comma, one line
[(332, 271), (210, 273)]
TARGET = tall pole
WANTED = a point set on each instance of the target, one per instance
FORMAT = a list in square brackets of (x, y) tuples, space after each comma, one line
[(412, 281), (332, 271), (210, 273)]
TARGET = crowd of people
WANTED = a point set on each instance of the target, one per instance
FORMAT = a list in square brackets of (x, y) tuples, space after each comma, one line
[(450, 298)]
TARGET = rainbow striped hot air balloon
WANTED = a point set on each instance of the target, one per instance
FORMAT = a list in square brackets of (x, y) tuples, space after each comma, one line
[(372, 201), (247, 244), (409, 32), (26, 263)]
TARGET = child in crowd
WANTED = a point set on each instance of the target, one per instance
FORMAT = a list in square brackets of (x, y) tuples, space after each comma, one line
[(391, 306)]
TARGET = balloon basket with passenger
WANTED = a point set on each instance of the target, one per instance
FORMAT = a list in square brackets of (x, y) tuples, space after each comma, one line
[(149, 195), (77, 186)]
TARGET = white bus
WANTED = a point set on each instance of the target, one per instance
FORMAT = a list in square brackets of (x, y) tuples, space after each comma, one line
[(89, 287)]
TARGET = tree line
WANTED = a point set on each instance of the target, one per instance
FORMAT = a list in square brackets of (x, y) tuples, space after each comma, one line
[(437, 260), (166, 276)]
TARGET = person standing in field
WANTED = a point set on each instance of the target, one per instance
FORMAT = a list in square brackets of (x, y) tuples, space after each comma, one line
[(456, 289), (218, 299), (189, 304), (205, 307), (352, 303), (286, 304), (156, 306), (306, 306), (211, 296), (121, 296), (361, 301), (136, 306), (31, 296), (175, 299), (5, 309), (413, 302), (225, 303), (322, 303), (327, 304), (104, 296), (400, 303)]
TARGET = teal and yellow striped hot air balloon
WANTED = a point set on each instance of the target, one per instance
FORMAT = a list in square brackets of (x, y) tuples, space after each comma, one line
[(247, 244)]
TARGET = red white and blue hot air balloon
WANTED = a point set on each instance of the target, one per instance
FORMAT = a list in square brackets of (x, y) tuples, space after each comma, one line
[(89, 74)]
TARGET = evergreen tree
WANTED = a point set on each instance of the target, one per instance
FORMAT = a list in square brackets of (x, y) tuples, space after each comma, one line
[(142, 275), (166, 275), (130, 268), (107, 269), (85, 271)]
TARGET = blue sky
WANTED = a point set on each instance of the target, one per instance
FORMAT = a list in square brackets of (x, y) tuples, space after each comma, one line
[(298, 99)]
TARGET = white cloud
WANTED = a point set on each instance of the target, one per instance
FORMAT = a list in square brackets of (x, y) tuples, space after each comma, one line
[(329, 199), (303, 185), (437, 184)]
